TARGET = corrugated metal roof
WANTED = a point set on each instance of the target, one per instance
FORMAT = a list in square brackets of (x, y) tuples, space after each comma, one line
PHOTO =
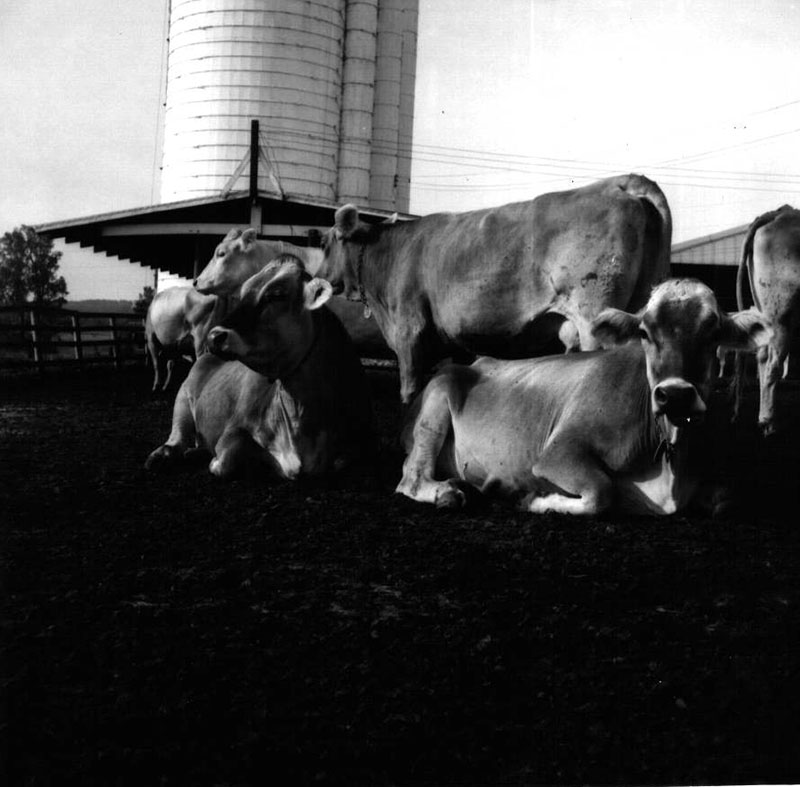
[(719, 248)]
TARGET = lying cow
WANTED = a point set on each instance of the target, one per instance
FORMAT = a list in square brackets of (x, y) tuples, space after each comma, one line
[(177, 323), (505, 281), (240, 255), (570, 433), (771, 259), (296, 404)]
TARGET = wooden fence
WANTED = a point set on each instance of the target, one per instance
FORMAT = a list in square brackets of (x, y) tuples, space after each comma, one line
[(36, 338)]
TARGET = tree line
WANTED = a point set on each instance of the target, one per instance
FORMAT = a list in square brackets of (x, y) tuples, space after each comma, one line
[(29, 272)]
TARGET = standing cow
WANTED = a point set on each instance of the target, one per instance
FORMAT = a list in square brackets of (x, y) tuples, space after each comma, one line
[(282, 391), (240, 255), (771, 259), (503, 281), (574, 434), (177, 323)]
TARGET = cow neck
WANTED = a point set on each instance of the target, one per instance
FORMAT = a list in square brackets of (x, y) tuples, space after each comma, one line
[(284, 377), (362, 294)]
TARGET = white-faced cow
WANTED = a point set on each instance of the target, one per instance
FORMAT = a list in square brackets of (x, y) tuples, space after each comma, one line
[(771, 260), (177, 323), (504, 281), (283, 389), (240, 255), (576, 433)]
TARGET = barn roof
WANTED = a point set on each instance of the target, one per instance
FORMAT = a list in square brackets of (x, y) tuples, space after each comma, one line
[(719, 248), (180, 237)]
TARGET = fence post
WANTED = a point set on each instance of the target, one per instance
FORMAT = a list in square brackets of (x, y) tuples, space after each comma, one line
[(112, 322), (76, 336), (37, 355)]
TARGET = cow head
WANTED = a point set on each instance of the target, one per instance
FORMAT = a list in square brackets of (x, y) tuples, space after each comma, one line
[(271, 330), (234, 260), (240, 255), (341, 249), (680, 329)]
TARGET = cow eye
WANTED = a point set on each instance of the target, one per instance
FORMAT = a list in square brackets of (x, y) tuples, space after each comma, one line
[(643, 335)]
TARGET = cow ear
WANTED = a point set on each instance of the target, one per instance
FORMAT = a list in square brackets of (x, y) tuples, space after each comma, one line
[(345, 221), (614, 326), (745, 330), (248, 238), (232, 234), (316, 293)]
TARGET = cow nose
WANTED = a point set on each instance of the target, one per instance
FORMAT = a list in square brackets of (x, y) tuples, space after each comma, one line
[(679, 401), (216, 339)]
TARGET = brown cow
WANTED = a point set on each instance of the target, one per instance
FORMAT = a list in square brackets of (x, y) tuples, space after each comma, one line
[(240, 255), (504, 281), (575, 433), (771, 258), (283, 391), (177, 323)]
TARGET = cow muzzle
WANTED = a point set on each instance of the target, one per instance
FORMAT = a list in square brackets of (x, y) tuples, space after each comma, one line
[(679, 401), (221, 342), (203, 286)]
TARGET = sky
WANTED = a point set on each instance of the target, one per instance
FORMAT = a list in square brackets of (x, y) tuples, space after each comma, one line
[(514, 98)]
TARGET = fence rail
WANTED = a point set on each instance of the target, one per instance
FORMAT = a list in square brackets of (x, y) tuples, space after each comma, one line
[(32, 337)]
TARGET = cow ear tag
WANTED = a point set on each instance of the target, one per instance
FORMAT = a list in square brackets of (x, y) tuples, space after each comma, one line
[(367, 312)]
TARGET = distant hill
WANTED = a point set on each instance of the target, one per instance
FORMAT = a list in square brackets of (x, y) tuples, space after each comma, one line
[(124, 307)]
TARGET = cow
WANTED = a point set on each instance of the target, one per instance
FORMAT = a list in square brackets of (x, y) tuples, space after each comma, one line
[(577, 433), (282, 390), (177, 323), (241, 254), (504, 281), (771, 260)]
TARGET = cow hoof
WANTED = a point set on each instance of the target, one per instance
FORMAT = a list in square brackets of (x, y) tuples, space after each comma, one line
[(220, 469), (767, 428), (451, 497), (160, 458)]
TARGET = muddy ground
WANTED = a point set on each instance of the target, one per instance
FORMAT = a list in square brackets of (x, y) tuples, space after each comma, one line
[(171, 630)]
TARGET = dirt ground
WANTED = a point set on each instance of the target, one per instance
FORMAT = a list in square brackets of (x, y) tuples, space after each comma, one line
[(175, 630)]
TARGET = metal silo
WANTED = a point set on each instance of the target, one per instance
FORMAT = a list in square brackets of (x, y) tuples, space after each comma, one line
[(323, 77)]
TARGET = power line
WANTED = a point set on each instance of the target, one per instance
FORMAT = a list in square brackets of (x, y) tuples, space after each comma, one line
[(703, 179)]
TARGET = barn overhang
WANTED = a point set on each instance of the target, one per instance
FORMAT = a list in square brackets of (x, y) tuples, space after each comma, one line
[(180, 237)]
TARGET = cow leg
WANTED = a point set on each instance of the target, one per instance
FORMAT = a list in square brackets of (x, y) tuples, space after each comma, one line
[(407, 345), (738, 383), (771, 362), (234, 452), (170, 366), (568, 483), (432, 426), (182, 438), (159, 370)]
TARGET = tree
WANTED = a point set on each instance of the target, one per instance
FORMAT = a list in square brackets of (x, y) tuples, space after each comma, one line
[(29, 268), (142, 303)]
